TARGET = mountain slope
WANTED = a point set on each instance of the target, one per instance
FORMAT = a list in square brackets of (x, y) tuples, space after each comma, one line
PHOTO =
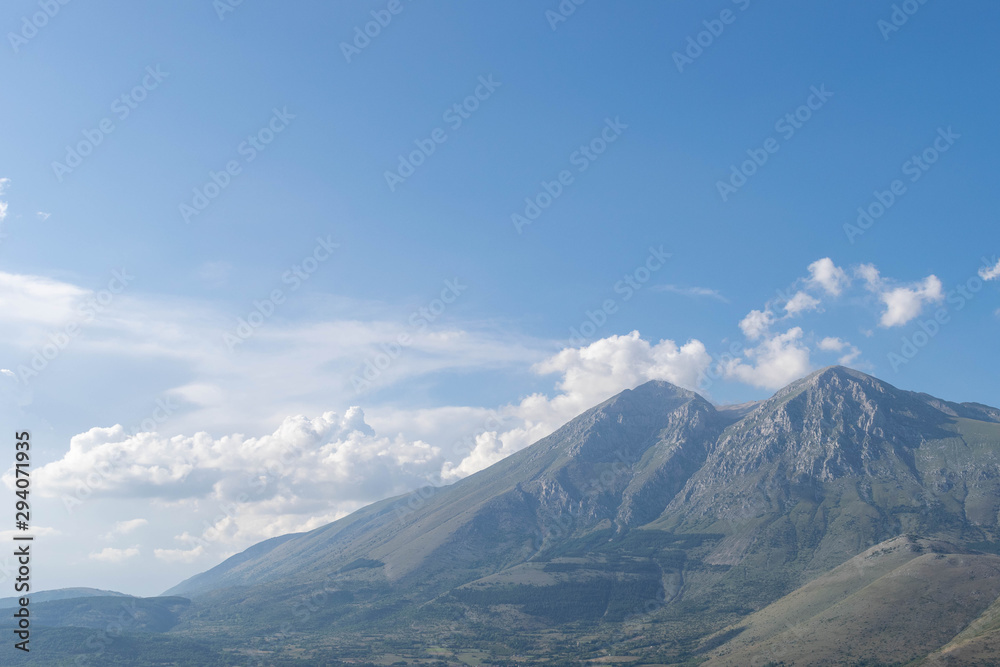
[(897, 602), (650, 523), (617, 465)]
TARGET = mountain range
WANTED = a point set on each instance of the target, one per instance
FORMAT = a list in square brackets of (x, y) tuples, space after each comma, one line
[(842, 521)]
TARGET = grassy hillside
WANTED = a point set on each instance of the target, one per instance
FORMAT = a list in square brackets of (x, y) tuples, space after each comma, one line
[(892, 605)]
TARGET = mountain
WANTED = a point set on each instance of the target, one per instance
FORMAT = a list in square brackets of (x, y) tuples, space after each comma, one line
[(61, 594), (655, 528), (613, 468)]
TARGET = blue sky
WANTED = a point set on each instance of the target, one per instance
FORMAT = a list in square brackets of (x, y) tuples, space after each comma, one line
[(477, 315)]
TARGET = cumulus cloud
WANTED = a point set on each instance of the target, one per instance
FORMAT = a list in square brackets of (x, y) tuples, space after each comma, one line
[(828, 276), (756, 323), (870, 275), (801, 303), (612, 364), (590, 375), (300, 474), (778, 360), (850, 352), (990, 272), (902, 303), (111, 555), (905, 303)]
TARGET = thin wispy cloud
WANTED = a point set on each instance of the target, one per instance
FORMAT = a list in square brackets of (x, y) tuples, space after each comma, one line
[(695, 292), (112, 555)]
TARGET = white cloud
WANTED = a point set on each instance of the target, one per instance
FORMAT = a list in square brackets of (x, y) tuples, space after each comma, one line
[(902, 303), (126, 527), (38, 300), (990, 272), (800, 303), (180, 555), (777, 361), (692, 291), (612, 364), (4, 184), (870, 274), (590, 375), (287, 366), (8, 372), (756, 323), (905, 303), (43, 216), (306, 472), (827, 275), (830, 344), (111, 555)]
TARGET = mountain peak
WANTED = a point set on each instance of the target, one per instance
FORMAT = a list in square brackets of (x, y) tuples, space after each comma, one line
[(836, 376), (661, 388), (837, 384), (833, 423)]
